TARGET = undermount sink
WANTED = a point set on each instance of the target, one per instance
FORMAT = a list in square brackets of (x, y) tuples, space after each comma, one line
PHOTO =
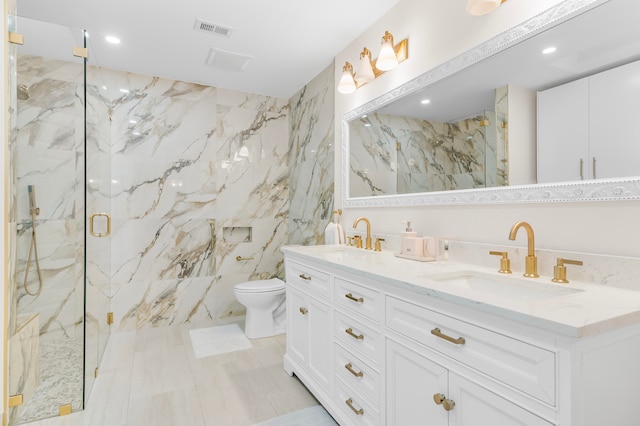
[(503, 286)]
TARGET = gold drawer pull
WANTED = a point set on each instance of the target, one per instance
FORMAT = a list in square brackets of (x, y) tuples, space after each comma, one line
[(350, 332), (440, 399), (436, 332), (350, 297), (305, 277), (352, 371), (349, 402), (241, 259), (303, 311)]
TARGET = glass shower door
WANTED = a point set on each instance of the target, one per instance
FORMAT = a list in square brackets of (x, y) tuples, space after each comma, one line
[(48, 154)]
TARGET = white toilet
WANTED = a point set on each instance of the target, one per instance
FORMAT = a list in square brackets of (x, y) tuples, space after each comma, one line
[(264, 300)]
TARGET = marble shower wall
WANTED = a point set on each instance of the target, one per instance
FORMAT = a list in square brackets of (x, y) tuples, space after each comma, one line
[(188, 161), (311, 160), (392, 154), (47, 151)]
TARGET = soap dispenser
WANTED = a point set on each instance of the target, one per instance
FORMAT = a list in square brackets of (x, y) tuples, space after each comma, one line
[(410, 244)]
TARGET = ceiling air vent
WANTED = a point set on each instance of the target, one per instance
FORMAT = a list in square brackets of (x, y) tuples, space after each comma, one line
[(228, 60), (208, 27)]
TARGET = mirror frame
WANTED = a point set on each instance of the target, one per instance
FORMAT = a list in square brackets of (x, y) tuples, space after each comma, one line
[(593, 190)]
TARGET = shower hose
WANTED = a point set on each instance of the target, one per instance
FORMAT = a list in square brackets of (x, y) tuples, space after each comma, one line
[(33, 249)]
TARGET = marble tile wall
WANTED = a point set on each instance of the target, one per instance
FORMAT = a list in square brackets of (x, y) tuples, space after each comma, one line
[(311, 160), (188, 161), (391, 155), (48, 152)]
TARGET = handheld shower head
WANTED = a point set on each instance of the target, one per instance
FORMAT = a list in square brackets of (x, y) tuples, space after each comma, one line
[(32, 200)]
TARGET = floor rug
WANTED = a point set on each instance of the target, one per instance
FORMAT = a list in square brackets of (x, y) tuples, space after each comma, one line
[(218, 340), (312, 416)]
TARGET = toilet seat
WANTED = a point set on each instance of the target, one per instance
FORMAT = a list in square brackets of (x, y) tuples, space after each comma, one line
[(260, 286)]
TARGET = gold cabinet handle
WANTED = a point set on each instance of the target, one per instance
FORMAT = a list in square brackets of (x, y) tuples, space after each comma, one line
[(440, 399), (349, 367), (350, 332), (99, 234), (303, 310), (305, 277), (240, 258), (349, 402), (436, 332), (350, 297)]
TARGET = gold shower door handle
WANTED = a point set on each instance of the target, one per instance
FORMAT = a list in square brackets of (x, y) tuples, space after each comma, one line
[(99, 234)]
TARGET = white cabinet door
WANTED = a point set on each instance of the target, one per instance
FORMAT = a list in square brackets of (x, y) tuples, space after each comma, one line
[(412, 381), (297, 326), (615, 109), (476, 406), (320, 342), (563, 133)]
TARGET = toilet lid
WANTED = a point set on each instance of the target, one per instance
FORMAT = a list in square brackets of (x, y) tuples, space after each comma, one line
[(261, 285)]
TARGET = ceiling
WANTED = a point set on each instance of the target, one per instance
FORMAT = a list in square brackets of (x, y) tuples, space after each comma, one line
[(289, 42)]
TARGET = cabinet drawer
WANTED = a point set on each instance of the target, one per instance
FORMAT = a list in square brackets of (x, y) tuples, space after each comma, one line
[(357, 373), (354, 407), (307, 278), (360, 337), (358, 298), (521, 365)]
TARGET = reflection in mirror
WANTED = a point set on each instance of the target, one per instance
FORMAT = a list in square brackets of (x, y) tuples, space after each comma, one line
[(435, 163), (395, 154)]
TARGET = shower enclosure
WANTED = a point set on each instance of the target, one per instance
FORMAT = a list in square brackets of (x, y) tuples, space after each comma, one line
[(59, 200)]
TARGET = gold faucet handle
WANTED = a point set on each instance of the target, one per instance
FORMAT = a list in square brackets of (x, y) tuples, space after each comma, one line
[(350, 241), (358, 241), (378, 245), (505, 263), (560, 271)]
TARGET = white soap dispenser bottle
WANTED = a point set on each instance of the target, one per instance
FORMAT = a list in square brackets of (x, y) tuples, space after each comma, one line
[(410, 244)]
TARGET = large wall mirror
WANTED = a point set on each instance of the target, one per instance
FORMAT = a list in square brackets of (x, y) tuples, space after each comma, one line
[(462, 147)]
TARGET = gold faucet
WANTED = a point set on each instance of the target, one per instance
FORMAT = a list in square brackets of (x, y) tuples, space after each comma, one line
[(531, 262), (367, 245)]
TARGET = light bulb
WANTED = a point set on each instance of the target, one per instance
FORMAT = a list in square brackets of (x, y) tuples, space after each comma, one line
[(387, 59), (347, 84)]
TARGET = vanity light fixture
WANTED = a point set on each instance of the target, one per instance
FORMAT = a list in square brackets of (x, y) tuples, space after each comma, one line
[(387, 60), (365, 70), (390, 56), (482, 7), (347, 84)]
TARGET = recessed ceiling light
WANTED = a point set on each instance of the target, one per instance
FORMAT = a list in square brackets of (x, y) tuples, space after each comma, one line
[(425, 101), (112, 39), (549, 50), (132, 121)]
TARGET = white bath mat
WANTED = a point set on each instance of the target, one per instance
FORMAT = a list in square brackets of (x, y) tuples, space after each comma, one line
[(218, 340), (312, 416)]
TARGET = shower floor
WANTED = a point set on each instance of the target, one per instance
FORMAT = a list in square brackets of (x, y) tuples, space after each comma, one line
[(61, 380)]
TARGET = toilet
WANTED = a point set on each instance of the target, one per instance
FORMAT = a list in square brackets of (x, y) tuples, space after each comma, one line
[(264, 300)]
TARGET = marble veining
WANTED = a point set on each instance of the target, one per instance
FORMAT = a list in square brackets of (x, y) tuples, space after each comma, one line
[(311, 160)]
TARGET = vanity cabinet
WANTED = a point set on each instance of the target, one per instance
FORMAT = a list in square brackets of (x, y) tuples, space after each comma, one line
[(425, 379), (586, 127), (309, 337), (376, 350)]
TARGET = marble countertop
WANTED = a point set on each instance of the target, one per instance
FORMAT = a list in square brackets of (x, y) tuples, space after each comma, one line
[(575, 309)]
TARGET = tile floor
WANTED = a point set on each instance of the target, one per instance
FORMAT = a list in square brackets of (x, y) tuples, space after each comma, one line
[(152, 377)]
